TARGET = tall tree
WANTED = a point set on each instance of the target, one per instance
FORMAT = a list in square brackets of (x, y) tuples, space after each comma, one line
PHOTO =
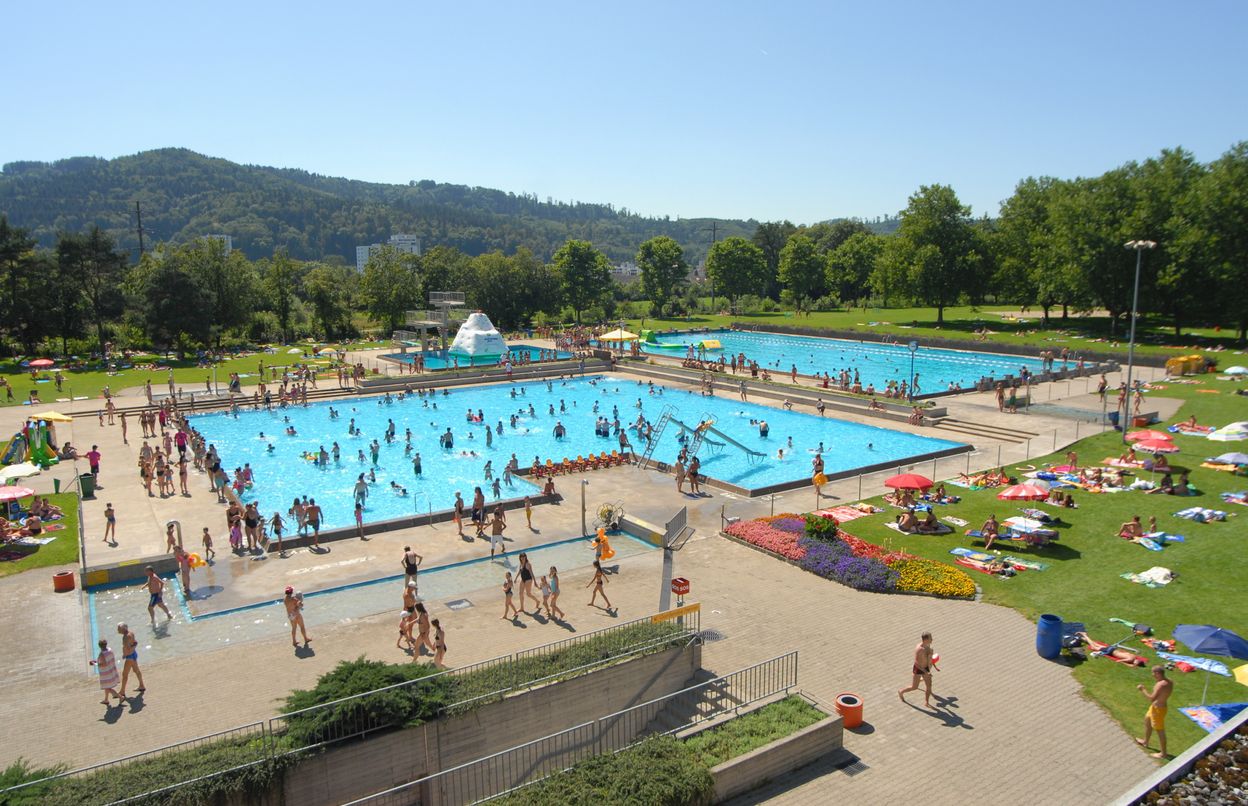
[(20, 282), (829, 235), (737, 266), (94, 268), (938, 247), (850, 265), (802, 269), (770, 237), (174, 307), (1219, 210), (281, 280), (390, 286), (584, 274), (663, 270), (329, 293), (229, 281), (443, 268)]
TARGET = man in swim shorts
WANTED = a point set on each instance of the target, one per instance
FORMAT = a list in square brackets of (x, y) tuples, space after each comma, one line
[(156, 590), (1155, 717), (921, 670)]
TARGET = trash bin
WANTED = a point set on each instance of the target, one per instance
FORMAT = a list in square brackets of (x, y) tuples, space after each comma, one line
[(86, 482), (849, 706), (63, 581), (1049, 636), (56, 485), (1113, 418)]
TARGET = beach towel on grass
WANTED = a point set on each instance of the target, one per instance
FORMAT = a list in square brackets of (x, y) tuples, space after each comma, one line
[(941, 529), (1165, 537), (1148, 543), (955, 521), (972, 554), (1030, 565), (843, 514), (1204, 664), (1212, 717), (1201, 514)]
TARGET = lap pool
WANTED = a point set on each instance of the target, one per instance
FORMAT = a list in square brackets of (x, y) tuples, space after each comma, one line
[(877, 363), (537, 407)]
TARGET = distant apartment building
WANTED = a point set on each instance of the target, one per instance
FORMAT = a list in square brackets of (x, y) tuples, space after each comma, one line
[(409, 244), (625, 272), (226, 240)]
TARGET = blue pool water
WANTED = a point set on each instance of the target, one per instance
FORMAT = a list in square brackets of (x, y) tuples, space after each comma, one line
[(875, 362), (282, 474), (438, 359)]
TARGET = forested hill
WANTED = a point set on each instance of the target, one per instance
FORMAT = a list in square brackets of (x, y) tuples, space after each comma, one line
[(184, 195)]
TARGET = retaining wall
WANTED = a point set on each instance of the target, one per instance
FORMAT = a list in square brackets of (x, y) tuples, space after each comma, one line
[(752, 770)]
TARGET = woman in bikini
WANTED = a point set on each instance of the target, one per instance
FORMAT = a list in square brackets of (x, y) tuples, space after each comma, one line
[(439, 644), (600, 579), (508, 605), (422, 631)]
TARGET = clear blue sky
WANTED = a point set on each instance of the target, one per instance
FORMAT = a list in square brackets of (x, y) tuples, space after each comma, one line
[(803, 111)]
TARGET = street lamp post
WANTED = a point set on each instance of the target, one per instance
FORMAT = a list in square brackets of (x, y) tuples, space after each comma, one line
[(584, 528), (1139, 247), (913, 346)]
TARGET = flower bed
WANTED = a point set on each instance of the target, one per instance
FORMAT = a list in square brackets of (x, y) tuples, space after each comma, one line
[(773, 534), (817, 545)]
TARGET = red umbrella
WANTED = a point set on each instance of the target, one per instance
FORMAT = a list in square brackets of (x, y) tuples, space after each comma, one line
[(14, 493), (1157, 446), (41, 363), (1029, 491), (909, 481), (1148, 433)]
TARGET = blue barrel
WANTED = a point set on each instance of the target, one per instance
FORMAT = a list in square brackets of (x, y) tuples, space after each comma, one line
[(1049, 637)]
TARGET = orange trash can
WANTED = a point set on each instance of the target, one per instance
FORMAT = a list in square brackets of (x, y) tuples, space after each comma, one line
[(849, 706), (63, 581)]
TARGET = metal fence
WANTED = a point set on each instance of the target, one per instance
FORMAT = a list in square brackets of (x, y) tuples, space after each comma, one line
[(526, 764), (253, 744), (382, 709)]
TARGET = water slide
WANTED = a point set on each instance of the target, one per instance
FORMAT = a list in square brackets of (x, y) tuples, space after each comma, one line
[(713, 430), (41, 452), (691, 431), (16, 451)]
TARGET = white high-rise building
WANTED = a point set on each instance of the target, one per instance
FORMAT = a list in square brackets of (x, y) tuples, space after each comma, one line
[(408, 244)]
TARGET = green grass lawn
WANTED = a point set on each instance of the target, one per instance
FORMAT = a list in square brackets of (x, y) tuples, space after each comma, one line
[(1154, 336), (186, 374), (61, 551), (1082, 582)]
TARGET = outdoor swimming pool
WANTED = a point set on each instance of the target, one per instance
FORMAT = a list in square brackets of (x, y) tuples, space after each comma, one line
[(875, 362), (334, 605), (284, 472), (438, 359)]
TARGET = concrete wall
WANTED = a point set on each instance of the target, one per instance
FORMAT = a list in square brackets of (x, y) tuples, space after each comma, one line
[(759, 766), (364, 767)]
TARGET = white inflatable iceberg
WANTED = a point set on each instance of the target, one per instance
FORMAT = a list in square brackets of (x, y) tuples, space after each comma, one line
[(478, 338)]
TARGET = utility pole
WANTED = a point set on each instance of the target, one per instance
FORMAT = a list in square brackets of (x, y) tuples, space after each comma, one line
[(714, 228), (138, 217)]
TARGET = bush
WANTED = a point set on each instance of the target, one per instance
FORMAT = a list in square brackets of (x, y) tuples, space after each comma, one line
[(21, 772), (743, 734), (398, 706), (658, 772), (819, 527)]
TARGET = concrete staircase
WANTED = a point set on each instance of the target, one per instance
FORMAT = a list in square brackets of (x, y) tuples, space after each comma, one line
[(964, 429), (704, 706)]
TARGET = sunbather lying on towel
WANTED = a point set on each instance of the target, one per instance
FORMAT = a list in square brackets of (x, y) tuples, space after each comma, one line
[(1114, 653)]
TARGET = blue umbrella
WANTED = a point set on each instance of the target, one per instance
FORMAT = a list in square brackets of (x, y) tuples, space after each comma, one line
[(1210, 640)]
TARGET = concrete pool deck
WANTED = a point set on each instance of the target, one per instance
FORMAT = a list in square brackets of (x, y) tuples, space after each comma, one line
[(848, 640)]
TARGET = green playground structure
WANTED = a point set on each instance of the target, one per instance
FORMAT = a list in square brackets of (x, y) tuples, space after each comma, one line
[(31, 444)]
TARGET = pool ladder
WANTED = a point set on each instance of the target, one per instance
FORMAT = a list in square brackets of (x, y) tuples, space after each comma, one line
[(665, 417)]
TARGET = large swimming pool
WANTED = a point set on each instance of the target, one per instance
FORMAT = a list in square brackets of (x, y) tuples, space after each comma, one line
[(440, 359), (875, 362), (284, 472)]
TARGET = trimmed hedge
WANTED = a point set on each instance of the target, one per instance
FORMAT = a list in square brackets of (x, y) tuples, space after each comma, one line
[(665, 771)]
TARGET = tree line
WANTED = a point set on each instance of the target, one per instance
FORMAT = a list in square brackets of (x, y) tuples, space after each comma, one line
[(1055, 244)]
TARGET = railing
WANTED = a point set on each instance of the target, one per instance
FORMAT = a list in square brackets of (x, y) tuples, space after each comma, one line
[(360, 714), (512, 769), (251, 740)]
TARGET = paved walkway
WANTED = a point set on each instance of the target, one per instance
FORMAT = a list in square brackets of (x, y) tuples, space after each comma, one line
[(1020, 722)]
